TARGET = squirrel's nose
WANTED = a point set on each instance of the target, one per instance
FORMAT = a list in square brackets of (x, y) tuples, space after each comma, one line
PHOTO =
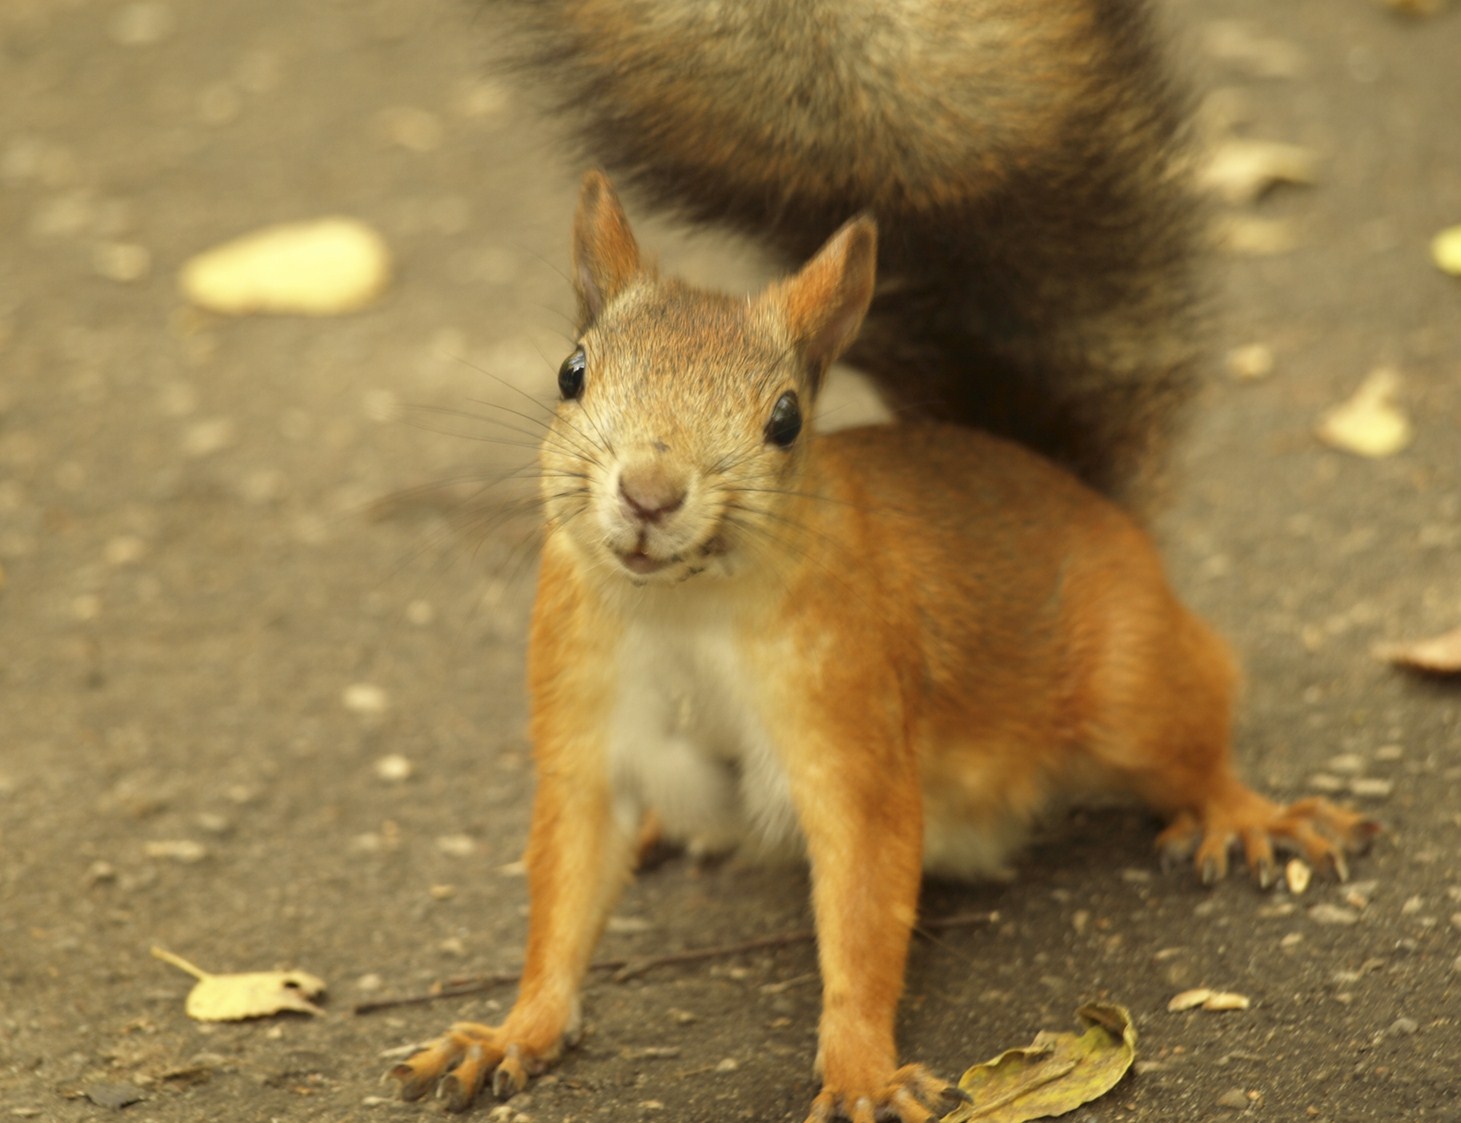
[(650, 491)]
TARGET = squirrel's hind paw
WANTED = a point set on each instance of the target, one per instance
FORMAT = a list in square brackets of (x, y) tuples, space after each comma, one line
[(1315, 829)]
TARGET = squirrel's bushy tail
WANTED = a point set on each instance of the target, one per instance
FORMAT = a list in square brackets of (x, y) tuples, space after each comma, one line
[(1025, 160)]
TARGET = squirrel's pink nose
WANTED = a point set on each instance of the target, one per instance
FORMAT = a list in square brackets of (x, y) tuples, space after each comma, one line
[(649, 492)]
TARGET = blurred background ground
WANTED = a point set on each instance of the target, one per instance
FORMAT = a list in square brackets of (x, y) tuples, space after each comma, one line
[(239, 575)]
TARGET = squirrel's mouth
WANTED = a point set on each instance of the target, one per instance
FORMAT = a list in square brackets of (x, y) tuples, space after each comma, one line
[(641, 564)]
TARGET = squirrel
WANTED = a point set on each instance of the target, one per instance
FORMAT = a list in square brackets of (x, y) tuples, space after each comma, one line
[(887, 648), (890, 646)]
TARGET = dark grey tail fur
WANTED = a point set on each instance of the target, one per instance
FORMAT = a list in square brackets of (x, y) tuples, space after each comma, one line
[(1025, 160)]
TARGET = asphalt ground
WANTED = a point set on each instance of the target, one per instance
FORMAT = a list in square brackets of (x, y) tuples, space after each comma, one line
[(263, 609)]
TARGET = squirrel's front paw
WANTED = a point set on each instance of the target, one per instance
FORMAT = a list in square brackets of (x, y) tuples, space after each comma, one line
[(458, 1063), (911, 1095)]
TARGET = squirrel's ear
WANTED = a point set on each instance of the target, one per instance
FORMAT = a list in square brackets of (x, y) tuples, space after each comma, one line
[(824, 302), (605, 255)]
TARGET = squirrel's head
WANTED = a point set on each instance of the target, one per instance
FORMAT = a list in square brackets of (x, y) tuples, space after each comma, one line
[(681, 437)]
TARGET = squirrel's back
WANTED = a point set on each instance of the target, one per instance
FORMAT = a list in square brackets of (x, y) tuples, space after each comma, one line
[(1024, 159)]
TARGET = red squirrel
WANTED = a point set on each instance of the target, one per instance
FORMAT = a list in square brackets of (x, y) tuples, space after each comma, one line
[(889, 647)]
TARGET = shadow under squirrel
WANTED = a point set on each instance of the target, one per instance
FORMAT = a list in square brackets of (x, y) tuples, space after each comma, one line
[(887, 648)]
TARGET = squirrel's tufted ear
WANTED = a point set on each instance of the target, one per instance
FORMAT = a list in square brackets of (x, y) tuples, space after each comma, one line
[(823, 304), (605, 255)]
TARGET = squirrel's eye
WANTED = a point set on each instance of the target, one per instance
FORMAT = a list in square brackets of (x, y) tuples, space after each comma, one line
[(786, 420), (570, 376)]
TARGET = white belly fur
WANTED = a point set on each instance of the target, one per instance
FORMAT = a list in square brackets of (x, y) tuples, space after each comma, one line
[(688, 743)]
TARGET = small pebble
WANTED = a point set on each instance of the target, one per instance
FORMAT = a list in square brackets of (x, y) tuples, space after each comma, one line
[(1389, 753), (1371, 787), (394, 769), (1403, 1027), (116, 1096), (364, 698), (1297, 875), (100, 872), (1251, 362), (1327, 784), (415, 130), (123, 262), (1333, 914), (219, 104), (1347, 763), (1235, 1099), (125, 549), (457, 845), (209, 436), (183, 850), (141, 24)]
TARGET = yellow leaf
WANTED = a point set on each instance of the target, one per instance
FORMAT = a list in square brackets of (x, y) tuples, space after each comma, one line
[(320, 268), (1369, 423), (1239, 170), (1189, 999), (1438, 655), (1056, 1073), (1446, 250), (255, 994)]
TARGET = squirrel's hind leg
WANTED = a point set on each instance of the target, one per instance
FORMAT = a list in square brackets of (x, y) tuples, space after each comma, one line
[(1165, 728)]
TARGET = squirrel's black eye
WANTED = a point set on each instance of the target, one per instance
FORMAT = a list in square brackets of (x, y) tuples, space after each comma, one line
[(786, 420), (570, 376)]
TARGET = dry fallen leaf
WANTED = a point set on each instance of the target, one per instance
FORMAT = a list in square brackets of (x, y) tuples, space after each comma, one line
[(1245, 235), (1219, 1001), (1189, 999), (256, 994), (1446, 250), (319, 268), (1297, 875), (1208, 999), (1369, 423), (1056, 1073), (1439, 655), (1240, 170)]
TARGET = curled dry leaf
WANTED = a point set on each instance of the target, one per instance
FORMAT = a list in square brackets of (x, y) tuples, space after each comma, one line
[(1440, 655), (1240, 170), (1370, 423), (255, 994), (319, 268), (1056, 1073), (1189, 999), (1206, 998), (1226, 1000)]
